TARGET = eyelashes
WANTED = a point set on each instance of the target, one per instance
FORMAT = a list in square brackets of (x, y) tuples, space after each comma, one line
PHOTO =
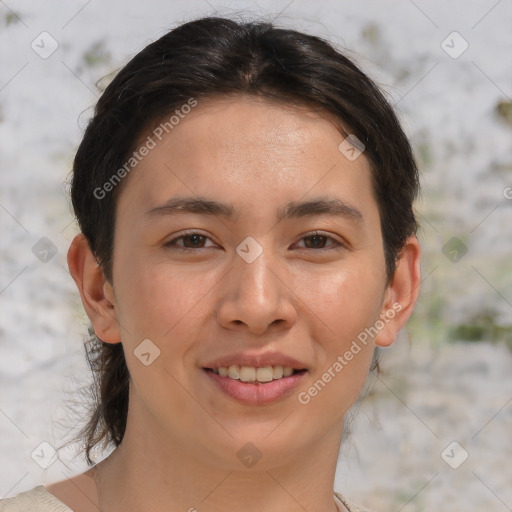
[(195, 238), (316, 236), (187, 236)]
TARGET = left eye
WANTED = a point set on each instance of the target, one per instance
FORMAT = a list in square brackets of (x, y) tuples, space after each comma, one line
[(196, 240), (320, 240)]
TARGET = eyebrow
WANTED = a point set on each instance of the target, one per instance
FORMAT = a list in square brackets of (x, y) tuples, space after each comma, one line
[(294, 209)]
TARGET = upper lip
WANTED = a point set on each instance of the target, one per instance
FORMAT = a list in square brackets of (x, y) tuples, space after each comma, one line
[(256, 360)]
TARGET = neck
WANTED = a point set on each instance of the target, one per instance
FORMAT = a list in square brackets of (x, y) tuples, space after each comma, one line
[(147, 472)]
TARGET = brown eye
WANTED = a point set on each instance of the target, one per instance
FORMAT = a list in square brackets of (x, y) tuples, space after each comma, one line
[(319, 241), (190, 240), (194, 240)]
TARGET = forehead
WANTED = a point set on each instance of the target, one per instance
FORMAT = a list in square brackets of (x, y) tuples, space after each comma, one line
[(254, 125), (247, 149)]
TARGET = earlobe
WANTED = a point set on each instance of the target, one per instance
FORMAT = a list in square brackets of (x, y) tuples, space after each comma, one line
[(96, 292), (401, 294)]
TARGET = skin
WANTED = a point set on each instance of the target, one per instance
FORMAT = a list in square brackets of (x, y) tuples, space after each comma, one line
[(304, 300)]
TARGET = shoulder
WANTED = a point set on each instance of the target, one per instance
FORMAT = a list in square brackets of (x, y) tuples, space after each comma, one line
[(349, 506), (37, 499)]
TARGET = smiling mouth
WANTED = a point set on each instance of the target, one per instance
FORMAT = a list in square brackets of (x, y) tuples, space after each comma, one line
[(253, 375)]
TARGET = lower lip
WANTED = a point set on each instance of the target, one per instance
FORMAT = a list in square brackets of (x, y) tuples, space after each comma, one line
[(257, 394)]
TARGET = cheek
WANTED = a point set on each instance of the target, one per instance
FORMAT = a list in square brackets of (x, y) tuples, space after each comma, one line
[(165, 306), (344, 305), (159, 302), (344, 300)]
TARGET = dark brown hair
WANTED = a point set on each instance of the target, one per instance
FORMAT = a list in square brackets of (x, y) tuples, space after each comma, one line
[(212, 57)]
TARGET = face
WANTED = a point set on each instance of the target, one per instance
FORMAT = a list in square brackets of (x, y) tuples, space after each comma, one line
[(288, 271)]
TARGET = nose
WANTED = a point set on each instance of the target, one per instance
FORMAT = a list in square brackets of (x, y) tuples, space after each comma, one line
[(256, 297)]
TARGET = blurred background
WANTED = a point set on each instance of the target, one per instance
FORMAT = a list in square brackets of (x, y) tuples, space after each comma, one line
[(434, 430)]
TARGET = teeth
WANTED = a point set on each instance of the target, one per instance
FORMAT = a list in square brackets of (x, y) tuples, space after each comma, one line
[(277, 372), (287, 371), (251, 374), (247, 374), (265, 374), (234, 372)]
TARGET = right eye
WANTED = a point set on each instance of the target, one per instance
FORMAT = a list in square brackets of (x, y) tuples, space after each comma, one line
[(191, 240)]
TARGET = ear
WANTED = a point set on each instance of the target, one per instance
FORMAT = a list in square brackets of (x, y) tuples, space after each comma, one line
[(401, 294), (96, 292)]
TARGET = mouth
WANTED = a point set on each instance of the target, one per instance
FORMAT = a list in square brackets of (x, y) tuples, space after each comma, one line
[(255, 375), (255, 385)]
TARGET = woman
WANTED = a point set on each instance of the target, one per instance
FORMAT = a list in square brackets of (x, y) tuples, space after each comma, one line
[(244, 195)]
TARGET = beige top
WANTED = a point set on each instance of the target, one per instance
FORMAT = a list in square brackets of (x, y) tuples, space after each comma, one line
[(39, 499)]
